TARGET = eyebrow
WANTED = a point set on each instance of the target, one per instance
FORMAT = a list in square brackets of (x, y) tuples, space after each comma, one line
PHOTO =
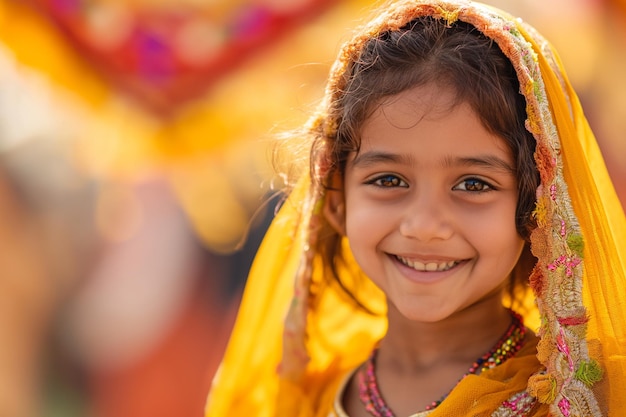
[(370, 158), (487, 161)]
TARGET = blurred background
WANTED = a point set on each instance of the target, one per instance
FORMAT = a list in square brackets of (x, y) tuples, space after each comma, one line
[(136, 178)]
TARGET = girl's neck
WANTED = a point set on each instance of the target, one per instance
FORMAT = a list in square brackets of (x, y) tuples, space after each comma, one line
[(464, 336), (417, 364)]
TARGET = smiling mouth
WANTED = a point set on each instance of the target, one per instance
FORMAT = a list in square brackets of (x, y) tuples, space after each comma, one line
[(429, 266)]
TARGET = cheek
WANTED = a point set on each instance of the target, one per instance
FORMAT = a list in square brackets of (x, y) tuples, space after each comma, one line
[(366, 227), (367, 220), (493, 229), (361, 224)]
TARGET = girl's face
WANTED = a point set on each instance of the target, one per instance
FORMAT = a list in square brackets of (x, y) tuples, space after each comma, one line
[(430, 204)]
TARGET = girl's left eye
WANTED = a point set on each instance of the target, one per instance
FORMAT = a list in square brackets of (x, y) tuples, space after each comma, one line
[(473, 185), (388, 180)]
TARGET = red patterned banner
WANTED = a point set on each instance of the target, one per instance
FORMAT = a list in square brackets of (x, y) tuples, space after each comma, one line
[(167, 53)]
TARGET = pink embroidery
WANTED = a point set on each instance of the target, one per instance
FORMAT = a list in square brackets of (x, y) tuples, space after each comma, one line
[(553, 192), (518, 405), (564, 349), (568, 263), (564, 406)]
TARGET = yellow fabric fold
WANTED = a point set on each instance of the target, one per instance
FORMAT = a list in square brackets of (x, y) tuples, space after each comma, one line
[(477, 395), (247, 376)]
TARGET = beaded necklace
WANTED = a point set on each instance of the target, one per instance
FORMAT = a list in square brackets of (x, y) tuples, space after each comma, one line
[(507, 346)]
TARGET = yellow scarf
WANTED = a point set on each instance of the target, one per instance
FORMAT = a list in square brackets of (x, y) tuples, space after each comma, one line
[(288, 354)]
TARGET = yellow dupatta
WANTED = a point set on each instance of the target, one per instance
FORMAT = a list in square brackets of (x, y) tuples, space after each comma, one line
[(295, 338)]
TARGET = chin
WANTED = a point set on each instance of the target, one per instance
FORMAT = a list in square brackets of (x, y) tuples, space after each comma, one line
[(425, 314)]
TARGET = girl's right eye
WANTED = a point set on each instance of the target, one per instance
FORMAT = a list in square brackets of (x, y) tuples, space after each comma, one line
[(388, 181)]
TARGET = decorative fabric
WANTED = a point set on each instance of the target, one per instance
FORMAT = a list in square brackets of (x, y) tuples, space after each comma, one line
[(578, 367), (168, 53)]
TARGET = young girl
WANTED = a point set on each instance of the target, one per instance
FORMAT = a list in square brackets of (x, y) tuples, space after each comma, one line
[(451, 169)]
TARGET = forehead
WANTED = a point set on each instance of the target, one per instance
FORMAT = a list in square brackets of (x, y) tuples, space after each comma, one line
[(428, 122), (430, 101)]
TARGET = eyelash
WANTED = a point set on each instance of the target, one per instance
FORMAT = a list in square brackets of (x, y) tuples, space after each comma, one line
[(392, 181), (475, 181)]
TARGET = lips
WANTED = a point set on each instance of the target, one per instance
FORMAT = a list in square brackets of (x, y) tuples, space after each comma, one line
[(428, 266)]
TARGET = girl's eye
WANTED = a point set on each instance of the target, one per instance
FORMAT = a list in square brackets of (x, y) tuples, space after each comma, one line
[(388, 181), (473, 185)]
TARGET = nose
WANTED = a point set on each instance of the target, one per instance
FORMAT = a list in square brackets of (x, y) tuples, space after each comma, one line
[(426, 217)]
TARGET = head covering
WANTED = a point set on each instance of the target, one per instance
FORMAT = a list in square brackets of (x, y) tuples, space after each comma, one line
[(296, 335)]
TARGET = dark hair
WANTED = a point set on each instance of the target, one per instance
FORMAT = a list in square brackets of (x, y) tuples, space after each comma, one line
[(455, 56)]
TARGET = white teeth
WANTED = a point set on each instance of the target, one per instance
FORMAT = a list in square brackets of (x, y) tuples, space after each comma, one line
[(429, 267)]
